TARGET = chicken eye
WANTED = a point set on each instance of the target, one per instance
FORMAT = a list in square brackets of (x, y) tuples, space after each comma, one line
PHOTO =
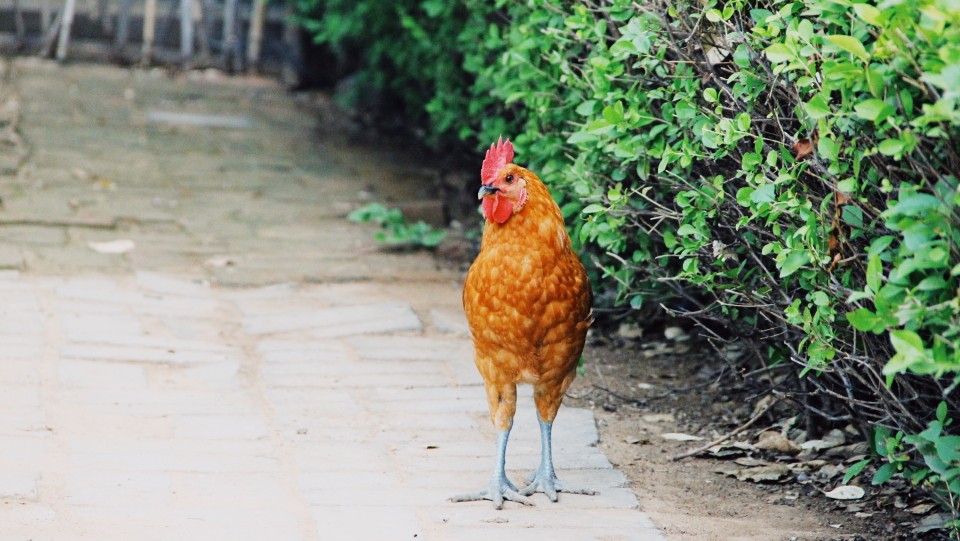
[(509, 179)]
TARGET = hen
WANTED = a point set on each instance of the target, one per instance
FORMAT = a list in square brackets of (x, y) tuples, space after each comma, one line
[(527, 301)]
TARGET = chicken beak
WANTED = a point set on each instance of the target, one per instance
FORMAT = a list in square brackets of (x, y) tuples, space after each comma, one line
[(487, 190)]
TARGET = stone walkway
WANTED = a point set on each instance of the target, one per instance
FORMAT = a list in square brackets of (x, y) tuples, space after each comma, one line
[(251, 366)]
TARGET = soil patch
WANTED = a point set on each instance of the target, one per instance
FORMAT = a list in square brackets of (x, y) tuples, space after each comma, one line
[(643, 389)]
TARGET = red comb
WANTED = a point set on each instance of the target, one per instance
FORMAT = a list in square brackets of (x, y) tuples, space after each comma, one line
[(498, 155)]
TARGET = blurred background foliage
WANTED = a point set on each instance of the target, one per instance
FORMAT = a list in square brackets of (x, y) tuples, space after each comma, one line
[(782, 174)]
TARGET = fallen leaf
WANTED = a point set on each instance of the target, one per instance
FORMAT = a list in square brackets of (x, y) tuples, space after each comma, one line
[(749, 462), (921, 508), (631, 440), (860, 448), (733, 449), (762, 404), (817, 445), (829, 471), (832, 243), (677, 436), (802, 148), (842, 198), (845, 492), (773, 472), (807, 466), (119, 246), (772, 440), (933, 522)]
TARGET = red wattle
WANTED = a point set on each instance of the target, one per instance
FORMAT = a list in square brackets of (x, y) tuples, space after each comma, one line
[(497, 209)]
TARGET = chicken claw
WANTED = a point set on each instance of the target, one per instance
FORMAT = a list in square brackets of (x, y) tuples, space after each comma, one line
[(544, 479), (500, 490), (547, 482)]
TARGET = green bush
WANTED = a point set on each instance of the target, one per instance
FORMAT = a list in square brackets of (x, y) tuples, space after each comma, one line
[(780, 171)]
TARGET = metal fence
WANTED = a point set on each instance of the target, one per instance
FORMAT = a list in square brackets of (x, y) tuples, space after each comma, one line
[(234, 35)]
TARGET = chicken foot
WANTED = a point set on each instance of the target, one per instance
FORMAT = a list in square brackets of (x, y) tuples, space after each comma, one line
[(544, 479), (500, 488)]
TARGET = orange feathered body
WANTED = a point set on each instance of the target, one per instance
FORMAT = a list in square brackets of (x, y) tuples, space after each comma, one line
[(528, 303)]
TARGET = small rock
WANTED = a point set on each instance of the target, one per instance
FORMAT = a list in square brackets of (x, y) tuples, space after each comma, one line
[(119, 246), (657, 418), (630, 331), (675, 334)]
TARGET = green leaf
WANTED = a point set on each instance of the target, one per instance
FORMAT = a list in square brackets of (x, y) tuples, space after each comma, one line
[(863, 319), (884, 473), (593, 208), (874, 110), (867, 13), (911, 354), (891, 147), (850, 44), (818, 107), (793, 262), (581, 137), (587, 108), (948, 448), (874, 273), (779, 53), (915, 204), (764, 194), (855, 469)]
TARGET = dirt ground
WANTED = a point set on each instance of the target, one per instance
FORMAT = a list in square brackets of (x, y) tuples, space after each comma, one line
[(697, 498)]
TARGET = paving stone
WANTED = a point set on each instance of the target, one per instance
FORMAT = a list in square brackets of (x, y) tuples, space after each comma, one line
[(18, 486), (341, 457), (174, 456), (142, 354), (245, 490), (118, 489), (101, 375), (400, 348), (449, 321), (90, 327), (220, 427), (355, 522), (340, 321), (162, 283), (154, 402)]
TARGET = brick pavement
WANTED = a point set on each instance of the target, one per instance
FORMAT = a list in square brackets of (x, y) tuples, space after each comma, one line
[(148, 396)]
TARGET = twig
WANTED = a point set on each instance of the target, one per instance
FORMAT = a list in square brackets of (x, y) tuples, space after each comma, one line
[(726, 436)]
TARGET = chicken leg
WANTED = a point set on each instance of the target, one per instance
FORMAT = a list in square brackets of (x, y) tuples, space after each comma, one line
[(544, 479), (500, 488)]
